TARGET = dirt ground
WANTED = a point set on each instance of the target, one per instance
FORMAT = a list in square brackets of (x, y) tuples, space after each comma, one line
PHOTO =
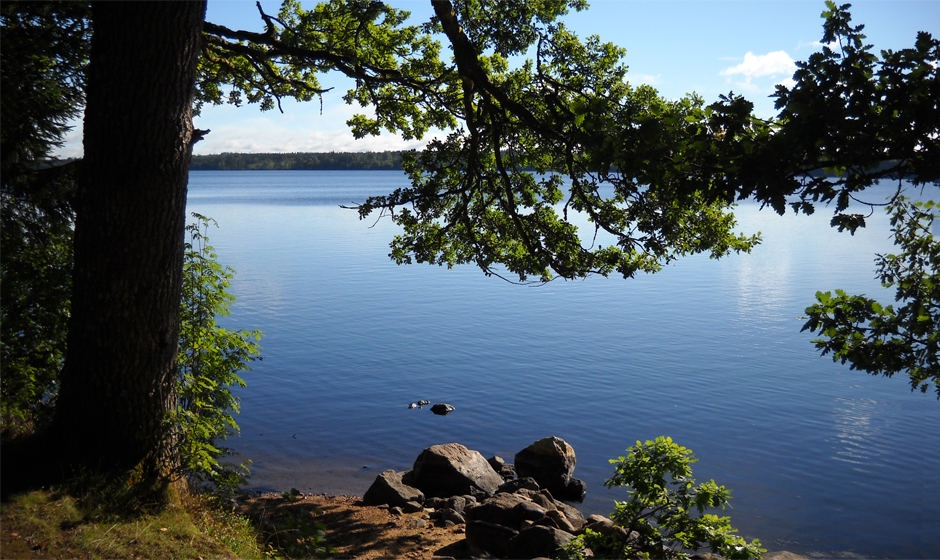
[(358, 531)]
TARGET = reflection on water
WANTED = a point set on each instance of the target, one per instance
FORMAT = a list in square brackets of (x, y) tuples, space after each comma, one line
[(858, 429), (819, 458)]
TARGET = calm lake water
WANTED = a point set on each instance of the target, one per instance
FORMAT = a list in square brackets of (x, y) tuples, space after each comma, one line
[(821, 460)]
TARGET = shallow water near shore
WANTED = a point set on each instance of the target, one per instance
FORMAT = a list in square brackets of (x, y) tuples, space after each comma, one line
[(821, 460)]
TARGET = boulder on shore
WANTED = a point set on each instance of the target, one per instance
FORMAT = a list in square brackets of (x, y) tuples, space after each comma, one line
[(388, 488), (453, 470), (551, 462)]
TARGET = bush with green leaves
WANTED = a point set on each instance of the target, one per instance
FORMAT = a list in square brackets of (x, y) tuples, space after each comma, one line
[(210, 360), (665, 515)]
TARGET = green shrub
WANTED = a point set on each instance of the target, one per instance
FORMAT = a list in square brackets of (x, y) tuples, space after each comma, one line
[(665, 515), (210, 360)]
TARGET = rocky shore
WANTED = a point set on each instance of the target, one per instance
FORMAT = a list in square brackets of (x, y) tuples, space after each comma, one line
[(453, 504), (505, 510)]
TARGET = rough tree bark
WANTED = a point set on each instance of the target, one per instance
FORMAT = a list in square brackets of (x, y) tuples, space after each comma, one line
[(119, 378)]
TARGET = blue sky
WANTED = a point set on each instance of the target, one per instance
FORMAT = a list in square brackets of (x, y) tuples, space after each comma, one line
[(708, 47)]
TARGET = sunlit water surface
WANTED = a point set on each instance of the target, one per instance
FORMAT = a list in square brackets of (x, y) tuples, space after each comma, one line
[(821, 460)]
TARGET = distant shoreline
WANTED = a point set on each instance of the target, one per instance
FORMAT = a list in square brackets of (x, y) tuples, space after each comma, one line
[(305, 161)]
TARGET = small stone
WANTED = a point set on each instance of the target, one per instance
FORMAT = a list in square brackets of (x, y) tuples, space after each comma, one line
[(412, 507), (416, 523), (457, 503), (396, 511), (436, 503), (451, 515), (514, 486)]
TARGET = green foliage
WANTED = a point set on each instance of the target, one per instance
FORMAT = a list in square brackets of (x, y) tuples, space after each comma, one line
[(569, 112), (884, 339), (665, 515), (851, 119), (43, 55), (299, 535), (44, 52), (53, 524), (395, 68), (210, 360)]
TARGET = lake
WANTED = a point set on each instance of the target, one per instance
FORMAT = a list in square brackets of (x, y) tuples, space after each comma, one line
[(820, 460)]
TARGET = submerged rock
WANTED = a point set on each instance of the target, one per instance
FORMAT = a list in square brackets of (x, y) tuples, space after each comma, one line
[(442, 409)]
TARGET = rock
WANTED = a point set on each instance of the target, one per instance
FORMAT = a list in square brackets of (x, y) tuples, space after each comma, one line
[(416, 523), (502, 468), (538, 540), (546, 522), (513, 486), (388, 488), (412, 406), (496, 462), (551, 462), (436, 503), (412, 507), (423, 403), (451, 515), (573, 514), (479, 494), (506, 509), (544, 499), (396, 510), (491, 537), (575, 491), (451, 470), (457, 503), (461, 549), (595, 518), (442, 409), (561, 521), (783, 555)]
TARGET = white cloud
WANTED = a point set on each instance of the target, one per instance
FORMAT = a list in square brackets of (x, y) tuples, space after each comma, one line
[(770, 64), (272, 137), (787, 83), (648, 79), (755, 68)]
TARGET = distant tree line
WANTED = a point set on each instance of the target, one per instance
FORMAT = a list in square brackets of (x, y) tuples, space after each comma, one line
[(299, 160)]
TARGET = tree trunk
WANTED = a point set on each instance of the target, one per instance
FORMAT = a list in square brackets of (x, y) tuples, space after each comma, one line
[(119, 379)]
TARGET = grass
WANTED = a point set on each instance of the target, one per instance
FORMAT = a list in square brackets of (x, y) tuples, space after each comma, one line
[(50, 524)]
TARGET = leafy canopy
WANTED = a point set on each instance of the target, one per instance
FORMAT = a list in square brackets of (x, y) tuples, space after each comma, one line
[(567, 112)]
